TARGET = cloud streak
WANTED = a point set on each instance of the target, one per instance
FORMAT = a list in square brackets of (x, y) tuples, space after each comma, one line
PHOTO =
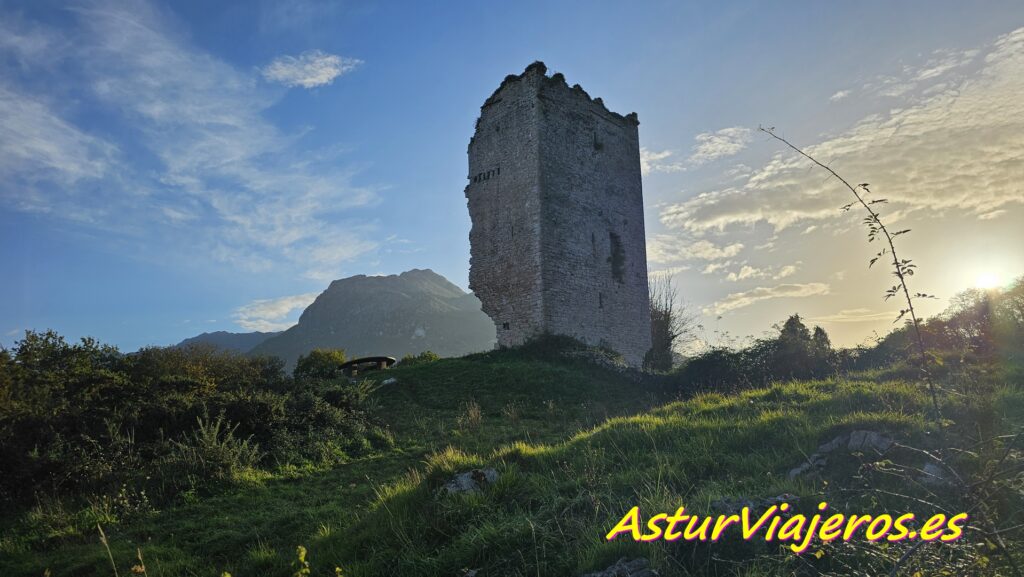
[(743, 299), (960, 147), (714, 145), (310, 69), (651, 161), (204, 170), (268, 315), (860, 315), (666, 248)]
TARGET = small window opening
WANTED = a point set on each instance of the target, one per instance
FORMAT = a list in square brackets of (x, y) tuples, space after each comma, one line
[(617, 257), (504, 326)]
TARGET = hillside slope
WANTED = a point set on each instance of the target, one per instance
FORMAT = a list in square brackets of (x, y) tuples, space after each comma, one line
[(575, 446)]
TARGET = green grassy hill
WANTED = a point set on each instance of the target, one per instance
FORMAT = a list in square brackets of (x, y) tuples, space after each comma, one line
[(575, 446)]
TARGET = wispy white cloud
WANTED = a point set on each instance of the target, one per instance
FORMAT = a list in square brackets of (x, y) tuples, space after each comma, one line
[(709, 146), (651, 161), (670, 271), (713, 267), (925, 77), (839, 95), (310, 69), (739, 300), (785, 271), (961, 148), (747, 272), (667, 248), (37, 145), (859, 315), (725, 142), (231, 186), (267, 315)]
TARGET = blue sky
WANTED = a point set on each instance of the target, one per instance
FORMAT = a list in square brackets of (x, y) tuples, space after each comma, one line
[(174, 168)]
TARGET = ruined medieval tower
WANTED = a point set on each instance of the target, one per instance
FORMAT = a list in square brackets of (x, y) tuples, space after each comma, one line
[(557, 244)]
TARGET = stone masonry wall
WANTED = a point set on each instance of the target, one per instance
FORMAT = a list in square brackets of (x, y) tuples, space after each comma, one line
[(504, 205), (558, 241)]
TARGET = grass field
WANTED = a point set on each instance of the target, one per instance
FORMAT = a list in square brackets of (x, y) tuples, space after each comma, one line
[(575, 446)]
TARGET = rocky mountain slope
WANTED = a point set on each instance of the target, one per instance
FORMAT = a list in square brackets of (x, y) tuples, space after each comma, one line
[(240, 342), (394, 315)]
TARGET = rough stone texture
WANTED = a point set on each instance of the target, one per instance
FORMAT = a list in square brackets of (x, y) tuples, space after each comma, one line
[(471, 481), (557, 243), (855, 441), (932, 474)]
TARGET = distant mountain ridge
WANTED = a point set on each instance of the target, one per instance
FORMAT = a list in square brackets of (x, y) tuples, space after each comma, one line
[(240, 342), (393, 315)]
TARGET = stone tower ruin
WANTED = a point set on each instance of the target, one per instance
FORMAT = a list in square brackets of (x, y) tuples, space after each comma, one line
[(557, 243)]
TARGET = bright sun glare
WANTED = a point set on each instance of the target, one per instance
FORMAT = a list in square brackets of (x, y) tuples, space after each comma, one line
[(986, 280)]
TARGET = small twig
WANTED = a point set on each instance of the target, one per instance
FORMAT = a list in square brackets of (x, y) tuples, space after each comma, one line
[(903, 558)]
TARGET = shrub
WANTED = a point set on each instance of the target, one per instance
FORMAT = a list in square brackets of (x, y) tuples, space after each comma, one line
[(422, 358), (212, 451), (319, 364), (84, 419)]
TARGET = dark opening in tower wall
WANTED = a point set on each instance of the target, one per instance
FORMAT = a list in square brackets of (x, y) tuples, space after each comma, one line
[(618, 256)]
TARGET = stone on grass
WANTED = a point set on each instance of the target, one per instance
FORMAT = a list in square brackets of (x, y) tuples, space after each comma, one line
[(471, 481), (855, 441), (865, 440), (933, 475), (736, 505)]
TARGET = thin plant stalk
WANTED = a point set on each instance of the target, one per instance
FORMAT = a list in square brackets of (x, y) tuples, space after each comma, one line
[(902, 269), (103, 539)]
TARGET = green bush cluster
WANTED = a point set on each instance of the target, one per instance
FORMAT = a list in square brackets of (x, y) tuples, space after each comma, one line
[(411, 360), (795, 353), (980, 328), (84, 418)]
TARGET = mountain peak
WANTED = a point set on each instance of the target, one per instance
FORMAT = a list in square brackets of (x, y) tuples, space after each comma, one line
[(391, 315)]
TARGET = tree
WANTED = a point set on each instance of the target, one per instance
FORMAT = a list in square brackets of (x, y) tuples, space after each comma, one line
[(792, 355), (319, 364), (821, 352), (669, 323)]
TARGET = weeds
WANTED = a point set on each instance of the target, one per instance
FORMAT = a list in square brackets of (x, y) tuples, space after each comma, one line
[(213, 450), (511, 412), (472, 416)]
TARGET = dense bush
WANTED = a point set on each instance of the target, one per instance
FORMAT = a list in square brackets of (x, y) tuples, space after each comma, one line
[(795, 353), (410, 359), (980, 328), (84, 418)]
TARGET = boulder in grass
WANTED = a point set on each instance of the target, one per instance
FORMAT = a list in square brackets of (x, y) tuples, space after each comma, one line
[(471, 481)]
